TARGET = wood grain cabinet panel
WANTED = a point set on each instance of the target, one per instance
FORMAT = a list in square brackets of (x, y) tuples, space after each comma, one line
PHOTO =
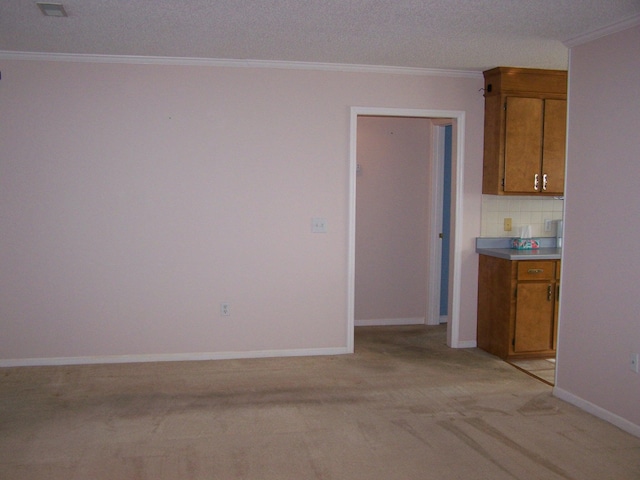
[(554, 145), (517, 307), (534, 318), (524, 131)]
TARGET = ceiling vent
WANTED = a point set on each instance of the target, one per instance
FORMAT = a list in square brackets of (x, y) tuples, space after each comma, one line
[(52, 9)]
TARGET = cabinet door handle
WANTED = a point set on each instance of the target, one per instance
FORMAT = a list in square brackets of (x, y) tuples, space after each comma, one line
[(535, 182), (535, 270), (544, 181), (549, 293)]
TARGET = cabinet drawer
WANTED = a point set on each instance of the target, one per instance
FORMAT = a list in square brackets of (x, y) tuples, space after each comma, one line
[(536, 270)]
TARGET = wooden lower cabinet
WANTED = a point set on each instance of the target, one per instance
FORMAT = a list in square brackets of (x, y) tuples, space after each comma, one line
[(518, 307)]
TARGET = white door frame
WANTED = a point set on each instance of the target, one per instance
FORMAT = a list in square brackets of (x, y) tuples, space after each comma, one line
[(458, 120)]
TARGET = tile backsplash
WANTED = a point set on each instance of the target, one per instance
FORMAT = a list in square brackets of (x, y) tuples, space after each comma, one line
[(522, 211)]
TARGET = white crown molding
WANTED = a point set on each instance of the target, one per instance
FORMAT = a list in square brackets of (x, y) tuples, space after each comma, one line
[(221, 62), (601, 32)]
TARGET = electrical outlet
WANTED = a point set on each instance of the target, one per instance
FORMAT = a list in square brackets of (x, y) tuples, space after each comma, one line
[(318, 225), (547, 225), (507, 224), (225, 309), (635, 359)]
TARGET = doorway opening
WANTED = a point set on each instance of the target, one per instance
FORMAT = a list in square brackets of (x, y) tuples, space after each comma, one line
[(438, 290), (441, 119)]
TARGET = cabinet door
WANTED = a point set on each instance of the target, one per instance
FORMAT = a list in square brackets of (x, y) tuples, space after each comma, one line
[(553, 150), (492, 169), (523, 144), (535, 313)]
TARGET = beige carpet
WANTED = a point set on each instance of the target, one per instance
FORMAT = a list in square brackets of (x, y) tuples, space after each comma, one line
[(403, 407)]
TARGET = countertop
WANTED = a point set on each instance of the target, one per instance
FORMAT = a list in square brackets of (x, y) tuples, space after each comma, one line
[(501, 247)]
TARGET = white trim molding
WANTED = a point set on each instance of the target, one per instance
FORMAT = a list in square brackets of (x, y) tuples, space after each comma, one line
[(229, 62), (171, 357), (597, 411), (381, 322), (601, 32), (458, 121)]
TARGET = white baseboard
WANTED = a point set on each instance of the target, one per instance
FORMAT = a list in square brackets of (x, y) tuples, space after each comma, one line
[(597, 411), (174, 357), (466, 344), (380, 322)]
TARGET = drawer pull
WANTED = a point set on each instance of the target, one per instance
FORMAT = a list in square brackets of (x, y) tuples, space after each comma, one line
[(535, 270)]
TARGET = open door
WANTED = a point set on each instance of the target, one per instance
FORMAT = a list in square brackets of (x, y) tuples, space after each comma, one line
[(438, 290)]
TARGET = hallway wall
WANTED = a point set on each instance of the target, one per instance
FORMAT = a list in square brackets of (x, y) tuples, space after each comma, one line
[(391, 222)]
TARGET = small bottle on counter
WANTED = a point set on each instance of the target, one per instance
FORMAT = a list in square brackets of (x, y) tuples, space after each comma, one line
[(559, 228)]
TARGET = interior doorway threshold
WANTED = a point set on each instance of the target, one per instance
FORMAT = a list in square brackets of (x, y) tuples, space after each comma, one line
[(543, 369)]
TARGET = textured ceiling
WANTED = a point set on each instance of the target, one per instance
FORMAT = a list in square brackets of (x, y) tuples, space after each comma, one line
[(443, 34)]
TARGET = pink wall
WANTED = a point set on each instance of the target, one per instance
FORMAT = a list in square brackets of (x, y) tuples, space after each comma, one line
[(391, 220), (136, 198), (600, 310)]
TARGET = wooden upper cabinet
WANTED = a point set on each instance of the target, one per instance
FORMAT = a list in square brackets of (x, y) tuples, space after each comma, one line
[(522, 144), (525, 131), (554, 144)]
